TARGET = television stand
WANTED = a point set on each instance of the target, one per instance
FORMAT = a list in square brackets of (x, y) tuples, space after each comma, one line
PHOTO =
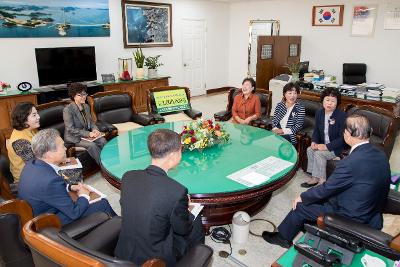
[(59, 92), (91, 83)]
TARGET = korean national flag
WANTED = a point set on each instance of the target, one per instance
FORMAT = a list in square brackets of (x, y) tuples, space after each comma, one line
[(327, 16)]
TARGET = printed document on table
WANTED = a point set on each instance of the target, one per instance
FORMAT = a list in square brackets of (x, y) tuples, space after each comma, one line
[(260, 172)]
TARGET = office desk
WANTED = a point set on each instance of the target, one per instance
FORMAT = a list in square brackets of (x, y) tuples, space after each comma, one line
[(354, 101), (204, 173)]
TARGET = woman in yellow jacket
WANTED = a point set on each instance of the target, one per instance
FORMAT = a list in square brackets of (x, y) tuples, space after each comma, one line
[(25, 121)]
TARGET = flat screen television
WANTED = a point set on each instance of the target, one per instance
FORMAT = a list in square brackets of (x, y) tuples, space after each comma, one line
[(65, 65)]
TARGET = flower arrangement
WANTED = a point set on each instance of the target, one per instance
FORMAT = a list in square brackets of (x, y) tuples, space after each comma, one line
[(4, 86), (200, 134)]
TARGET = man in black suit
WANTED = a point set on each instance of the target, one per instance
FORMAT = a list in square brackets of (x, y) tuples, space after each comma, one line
[(357, 189), (156, 222)]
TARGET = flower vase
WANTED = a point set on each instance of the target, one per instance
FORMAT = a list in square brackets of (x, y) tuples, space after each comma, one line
[(152, 73), (295, 77), (139, 73), (125, 69)]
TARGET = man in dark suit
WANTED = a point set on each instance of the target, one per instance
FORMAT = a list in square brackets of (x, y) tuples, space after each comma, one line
[(156, 222), (46, 191), (357, 189)]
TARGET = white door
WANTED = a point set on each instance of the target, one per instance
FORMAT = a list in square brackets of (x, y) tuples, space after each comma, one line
[(193, 55)]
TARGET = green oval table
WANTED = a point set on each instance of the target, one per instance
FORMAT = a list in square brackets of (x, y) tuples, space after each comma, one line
[(205, 173)]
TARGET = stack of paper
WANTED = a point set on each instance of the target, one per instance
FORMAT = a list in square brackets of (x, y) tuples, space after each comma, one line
[(195, 208), (70, 163), (391, 95), (348, 87), (375, 86), (374, 94)]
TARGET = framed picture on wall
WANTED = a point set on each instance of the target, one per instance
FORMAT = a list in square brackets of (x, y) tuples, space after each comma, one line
[(364, 17), (327, 15), (392, 16), (146, 24)]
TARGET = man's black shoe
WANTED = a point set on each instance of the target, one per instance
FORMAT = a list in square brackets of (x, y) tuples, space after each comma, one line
[(276, 239), (307, 185)]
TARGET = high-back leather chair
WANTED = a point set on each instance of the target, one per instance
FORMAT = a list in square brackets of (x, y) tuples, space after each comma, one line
[(7, 189), (190, 114), (354, 73), (384, 126), (89, 241), (51, 115), (266, 103), (311, 104), (117, 108), (13, 251), (226, 114), (374, 240)]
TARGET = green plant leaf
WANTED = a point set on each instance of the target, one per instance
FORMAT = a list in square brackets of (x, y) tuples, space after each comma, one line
[(139, 57)]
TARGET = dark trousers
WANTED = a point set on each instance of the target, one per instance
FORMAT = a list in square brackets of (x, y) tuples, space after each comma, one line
[(183, 244), (196, 236), (100, 206), (94, 148), (294, 221)]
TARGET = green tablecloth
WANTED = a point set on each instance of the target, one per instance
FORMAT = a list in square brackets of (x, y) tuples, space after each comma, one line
[(206, 171)]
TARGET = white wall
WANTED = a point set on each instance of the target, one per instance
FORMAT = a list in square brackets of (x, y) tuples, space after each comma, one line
[(326, 48), (18, 63)]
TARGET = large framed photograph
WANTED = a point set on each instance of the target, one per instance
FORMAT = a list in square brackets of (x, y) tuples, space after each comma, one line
[(364, 17), (146, 24), (331, 15), (56, 18)]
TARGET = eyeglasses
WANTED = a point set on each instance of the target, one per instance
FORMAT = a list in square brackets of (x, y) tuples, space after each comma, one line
[(82, 94)]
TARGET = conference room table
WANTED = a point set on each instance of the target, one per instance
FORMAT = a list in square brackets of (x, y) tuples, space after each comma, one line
[(205, 172)]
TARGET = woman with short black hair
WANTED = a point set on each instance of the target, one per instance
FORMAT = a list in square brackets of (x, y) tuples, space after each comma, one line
[(327, 139), (25, 121), (289, 114), (78, 122)]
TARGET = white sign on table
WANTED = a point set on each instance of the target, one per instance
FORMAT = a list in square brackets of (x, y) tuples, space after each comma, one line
[(260, 172)]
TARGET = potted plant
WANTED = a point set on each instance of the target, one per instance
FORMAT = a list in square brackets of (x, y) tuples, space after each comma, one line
[(152, 64), (294, 69), (139, 60)]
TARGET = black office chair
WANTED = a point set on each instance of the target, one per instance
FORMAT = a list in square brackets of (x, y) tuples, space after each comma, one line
[(13, 251), (354, 73)]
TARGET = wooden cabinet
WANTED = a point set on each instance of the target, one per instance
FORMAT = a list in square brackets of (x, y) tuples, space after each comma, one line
[(139, 87), (7, 104), (273, 52)]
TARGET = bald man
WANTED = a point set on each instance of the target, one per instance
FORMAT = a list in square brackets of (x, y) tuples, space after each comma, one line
[(357, 189)]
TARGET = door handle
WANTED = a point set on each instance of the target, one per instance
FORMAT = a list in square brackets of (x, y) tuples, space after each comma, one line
[(185, 65)]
